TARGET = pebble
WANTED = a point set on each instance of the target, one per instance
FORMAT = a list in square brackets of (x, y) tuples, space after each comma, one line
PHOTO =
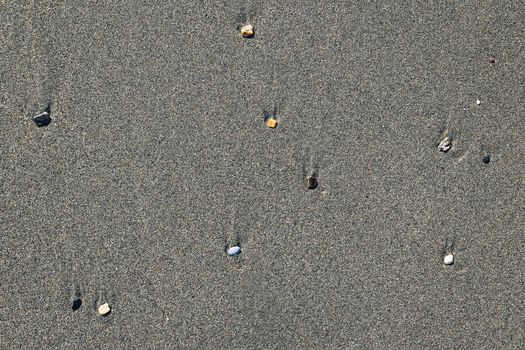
[(449, 259), (271, 123), (478, 102), (311, 182), (247, 31), (486, 158), (76, 304), (234, 250), (104, 309), (42, 119), (445, 145)]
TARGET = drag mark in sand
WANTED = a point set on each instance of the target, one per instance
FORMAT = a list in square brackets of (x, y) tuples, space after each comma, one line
[(447, 144), (77, 303), (102, 305), (460, 159), (232, 245), (245, 19), (448, 252), (76, 296), (311, 173)]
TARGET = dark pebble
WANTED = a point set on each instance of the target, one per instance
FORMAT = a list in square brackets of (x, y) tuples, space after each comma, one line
[(486, 158), (311, 182), (76, 304), (42, 119)]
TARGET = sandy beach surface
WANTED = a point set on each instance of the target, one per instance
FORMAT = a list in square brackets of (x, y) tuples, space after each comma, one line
[(158, 158)]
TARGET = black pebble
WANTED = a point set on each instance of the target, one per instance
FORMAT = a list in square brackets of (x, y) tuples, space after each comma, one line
[(486, 158), (76, 304), (42, 119), (311, 182)]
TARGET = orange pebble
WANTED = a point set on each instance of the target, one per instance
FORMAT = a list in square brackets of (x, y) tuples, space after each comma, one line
[(271, 123)]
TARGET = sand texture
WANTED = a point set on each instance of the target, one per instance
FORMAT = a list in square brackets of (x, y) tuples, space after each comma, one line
[(312, 145)]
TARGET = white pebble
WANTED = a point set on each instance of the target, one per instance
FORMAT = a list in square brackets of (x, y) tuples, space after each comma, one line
[(234, 250), (104, 309), (478, 102), (449, 259)]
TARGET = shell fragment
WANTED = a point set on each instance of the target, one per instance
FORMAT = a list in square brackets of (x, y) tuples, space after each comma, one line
[(445, 145)]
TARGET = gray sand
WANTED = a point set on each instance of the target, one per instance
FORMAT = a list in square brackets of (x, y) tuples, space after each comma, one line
[(157, 159)]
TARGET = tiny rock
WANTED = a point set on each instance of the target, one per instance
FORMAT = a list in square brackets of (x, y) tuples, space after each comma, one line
[(311, 182), (42, 119), (271, 123), (234, 250), (77, 303), (104, 309), (247, 31), (445, 145), (478, 102), (449, 259)]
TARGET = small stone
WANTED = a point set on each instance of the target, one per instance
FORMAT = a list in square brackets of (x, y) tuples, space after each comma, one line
[(42, 119), (445, 145), (104, 309), (478, 102), (247, 31), (492, 59), (449, 259), (77, 303), (234, 250), (486, 158), (271, 123), (311, 182)]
